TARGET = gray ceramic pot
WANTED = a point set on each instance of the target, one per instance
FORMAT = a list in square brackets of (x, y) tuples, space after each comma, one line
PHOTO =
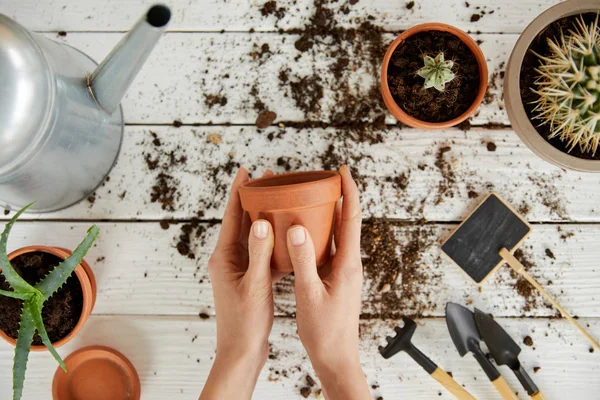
[(512, 95)]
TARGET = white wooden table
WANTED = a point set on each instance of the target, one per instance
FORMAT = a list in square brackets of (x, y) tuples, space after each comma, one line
[(150, 297)]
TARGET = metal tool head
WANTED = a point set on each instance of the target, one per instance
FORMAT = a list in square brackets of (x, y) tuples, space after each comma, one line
[(402, 340), (462, 327), (502, 347)]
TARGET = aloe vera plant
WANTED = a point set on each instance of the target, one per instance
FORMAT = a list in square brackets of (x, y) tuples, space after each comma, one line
[(33, 298), (437, 72), (568, 87)]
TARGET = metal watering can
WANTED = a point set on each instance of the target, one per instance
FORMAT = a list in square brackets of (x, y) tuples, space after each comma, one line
[(61, 125)]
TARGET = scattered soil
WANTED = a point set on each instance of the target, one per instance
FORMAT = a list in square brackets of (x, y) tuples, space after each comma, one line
[(491, 146), (410, 5), (305, 392), (447, 184), (214, 99), (550, 254), (397, 279), (431, 105), (533, 299), (62, 33), (61, 312), (528, 76), (536, 369), (270, 8), (265, 119), (203, 315), (528, 341)]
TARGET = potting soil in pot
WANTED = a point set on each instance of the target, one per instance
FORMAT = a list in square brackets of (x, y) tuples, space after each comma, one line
[(61, 311), (431, 105), (528, 76)]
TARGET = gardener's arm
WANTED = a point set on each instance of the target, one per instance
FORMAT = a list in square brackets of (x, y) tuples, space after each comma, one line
[(328, 301), (241, 278)]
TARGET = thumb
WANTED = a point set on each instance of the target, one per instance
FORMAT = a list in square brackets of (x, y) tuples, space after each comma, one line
[(260, 249), (302, 255)]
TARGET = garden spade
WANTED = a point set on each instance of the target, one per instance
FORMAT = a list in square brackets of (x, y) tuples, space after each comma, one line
[(402, 342), (505, 351), (487, 239), (464, 333)]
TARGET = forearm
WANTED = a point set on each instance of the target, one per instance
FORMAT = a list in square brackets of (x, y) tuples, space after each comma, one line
[(232, 377), (344, 381)]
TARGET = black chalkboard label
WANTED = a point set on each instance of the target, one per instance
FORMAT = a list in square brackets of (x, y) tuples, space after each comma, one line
[(475, 244)]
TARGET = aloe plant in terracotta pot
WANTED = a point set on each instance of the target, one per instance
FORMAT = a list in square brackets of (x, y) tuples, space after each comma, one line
[(433, 76), (552, 85), (45, 290), (298, 198)]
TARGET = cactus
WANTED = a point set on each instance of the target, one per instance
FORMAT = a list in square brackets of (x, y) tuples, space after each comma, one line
[(33, 298), (436, 72), (568, 87)]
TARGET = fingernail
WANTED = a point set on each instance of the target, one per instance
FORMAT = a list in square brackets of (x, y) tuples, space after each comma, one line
[(260, 229), (297, 236)]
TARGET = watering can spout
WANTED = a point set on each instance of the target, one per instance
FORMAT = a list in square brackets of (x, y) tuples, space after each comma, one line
[(111, 79)]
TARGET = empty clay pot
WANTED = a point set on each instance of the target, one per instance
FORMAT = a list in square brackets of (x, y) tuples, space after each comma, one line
[(96, 373), (88, 287), (298, 198), (397, 111)]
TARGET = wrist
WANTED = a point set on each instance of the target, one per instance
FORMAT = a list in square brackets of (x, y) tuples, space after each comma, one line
[(342, 378)]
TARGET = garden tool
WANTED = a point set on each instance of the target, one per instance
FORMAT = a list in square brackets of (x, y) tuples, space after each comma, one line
[(505, 351), (487, 239), (464, 333), (61, 125), (402, 342)]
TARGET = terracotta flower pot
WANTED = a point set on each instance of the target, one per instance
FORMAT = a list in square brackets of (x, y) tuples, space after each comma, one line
[(96, 372), (299, 198), (512, 88), (88, 287), (397, 111)]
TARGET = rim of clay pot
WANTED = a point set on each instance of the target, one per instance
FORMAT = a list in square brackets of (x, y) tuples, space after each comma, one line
[(512, 88), (397, 111), (294, 190), (66, 385), (88, 288)]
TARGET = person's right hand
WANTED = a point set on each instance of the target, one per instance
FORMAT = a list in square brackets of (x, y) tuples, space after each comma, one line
[(328, 300)]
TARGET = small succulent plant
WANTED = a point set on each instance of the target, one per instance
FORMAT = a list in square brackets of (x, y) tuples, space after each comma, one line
[(33, 298), (436, 72), (568, 87)]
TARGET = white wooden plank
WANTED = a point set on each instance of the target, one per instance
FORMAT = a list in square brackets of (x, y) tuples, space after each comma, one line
[(242, 15), (173, 357), (512, 170), (139, 271), (185, 68)]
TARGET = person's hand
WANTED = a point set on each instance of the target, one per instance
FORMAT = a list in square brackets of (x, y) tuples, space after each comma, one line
[(328, 300), (241, 278)]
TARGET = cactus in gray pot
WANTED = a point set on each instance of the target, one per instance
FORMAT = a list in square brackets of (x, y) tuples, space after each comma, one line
[(568, 87)]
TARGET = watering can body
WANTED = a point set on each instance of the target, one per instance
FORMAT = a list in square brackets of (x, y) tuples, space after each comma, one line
[(61, 124)]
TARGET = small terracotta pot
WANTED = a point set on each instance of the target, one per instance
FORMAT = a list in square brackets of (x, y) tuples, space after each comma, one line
[(298, 198), (397, 111), (96, 372), (88, 287), (517, 115)]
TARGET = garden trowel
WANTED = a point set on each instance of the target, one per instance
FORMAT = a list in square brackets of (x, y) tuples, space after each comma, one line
[(402, 342), (464, 333), (505, 351)]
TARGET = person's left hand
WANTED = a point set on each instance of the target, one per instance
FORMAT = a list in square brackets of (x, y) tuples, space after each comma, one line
[(242, 282)]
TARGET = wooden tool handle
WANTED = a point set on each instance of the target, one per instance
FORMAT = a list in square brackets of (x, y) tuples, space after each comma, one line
[(505, 390), (538, 396), (451, 385), (518, 267)]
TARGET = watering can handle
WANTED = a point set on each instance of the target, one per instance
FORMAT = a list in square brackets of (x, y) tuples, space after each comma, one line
[(451, 385)]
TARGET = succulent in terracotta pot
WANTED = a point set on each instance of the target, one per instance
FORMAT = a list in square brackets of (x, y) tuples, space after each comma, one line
[(433, 76), (27, 290), (297, 198), (552, 85)]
